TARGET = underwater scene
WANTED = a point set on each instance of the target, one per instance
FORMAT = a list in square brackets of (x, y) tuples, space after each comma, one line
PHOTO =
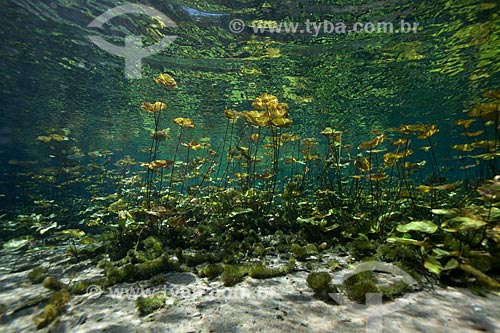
[(242, 166)]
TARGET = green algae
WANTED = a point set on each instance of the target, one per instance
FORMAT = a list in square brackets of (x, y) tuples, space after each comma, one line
[(357, 286), (362, 247), (261, 271), (140, 271), (52, 283), (320, 283), (147, 305), (51, 311), (37, 274), (303, 252), (200, 258), (210, 271), (333, 265), (233, 274), (153, 247)]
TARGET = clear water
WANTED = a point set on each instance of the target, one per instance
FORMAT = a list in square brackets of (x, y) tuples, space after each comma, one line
[(55, 80), (54, 77)]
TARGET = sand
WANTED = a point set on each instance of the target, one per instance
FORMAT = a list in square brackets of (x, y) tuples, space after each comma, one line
[(193, 304)]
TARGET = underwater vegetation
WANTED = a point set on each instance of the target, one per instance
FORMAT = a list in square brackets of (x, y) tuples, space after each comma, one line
[(210, 206), (51, 311), (146, 305)]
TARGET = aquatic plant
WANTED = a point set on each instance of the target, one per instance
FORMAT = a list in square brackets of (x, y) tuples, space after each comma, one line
[(64, 170), (52, 283), (37, 274), (51, 311), (233, 274), (147, 305), (261, 271), (303, 252), (359, 285), (368, 165), (462, 236), (156, 137), (183, 123), (130, 272), (231, 117), (320, 283), (273, 116), (334, 155), (211, 271), (261, 190), (486, 138), (166, 80)]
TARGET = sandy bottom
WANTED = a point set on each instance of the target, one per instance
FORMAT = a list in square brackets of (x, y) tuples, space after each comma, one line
[(283, 304)]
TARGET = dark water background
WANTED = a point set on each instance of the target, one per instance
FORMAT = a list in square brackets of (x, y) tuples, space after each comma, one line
[(53, 77)]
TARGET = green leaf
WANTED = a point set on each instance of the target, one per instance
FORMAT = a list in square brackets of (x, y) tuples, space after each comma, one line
[(433, 265), (439, 211), (52, 226), (439, 253), (239, 211), (75, 233), (16, 243), (333, 264), (309, 220), (117, 206), (331, 227), (494, 213), (408, 241), (462, 223), (451, 264), (422, 226)]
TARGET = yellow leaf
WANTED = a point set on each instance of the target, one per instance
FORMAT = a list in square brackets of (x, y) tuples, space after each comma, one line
[(153, 107), (166, 80), (184, 122), (281, 122), (372, 143)]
